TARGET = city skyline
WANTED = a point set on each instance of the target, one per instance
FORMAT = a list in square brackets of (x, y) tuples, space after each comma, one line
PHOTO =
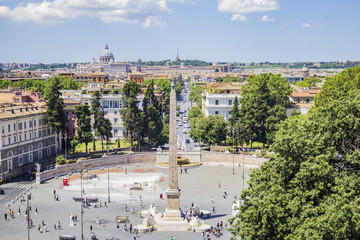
[(224, 30)]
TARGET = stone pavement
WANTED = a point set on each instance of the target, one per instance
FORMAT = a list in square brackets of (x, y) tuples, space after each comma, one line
[(198, 186)]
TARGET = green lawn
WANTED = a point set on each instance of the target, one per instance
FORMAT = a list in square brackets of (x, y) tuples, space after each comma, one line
[(112, 145)]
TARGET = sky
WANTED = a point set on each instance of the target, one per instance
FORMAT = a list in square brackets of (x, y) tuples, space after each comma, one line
[(59, 31)]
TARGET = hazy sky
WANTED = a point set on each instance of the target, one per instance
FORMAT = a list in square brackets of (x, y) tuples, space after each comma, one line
[(211, 30)]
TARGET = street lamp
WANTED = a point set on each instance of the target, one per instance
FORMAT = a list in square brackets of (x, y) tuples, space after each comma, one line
[(233, 153), (81, 208)]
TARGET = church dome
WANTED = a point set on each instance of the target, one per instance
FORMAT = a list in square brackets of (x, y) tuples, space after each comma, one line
[(106, 55)]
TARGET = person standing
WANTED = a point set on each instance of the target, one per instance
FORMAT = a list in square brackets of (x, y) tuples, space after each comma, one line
[(134, 236), (5, 215), (59, 225), (91, 228), (55, 226)]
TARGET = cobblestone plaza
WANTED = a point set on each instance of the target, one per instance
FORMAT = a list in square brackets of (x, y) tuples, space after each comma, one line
[(198, 186)]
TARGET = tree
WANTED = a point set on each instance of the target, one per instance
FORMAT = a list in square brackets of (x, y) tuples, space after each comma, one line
[(98, 116), (131, 114), (84, 134), (195, 94), (309, 189), (234, 122), (55, 110), (178, 89), (263, 106), (211, 129), (73, 144)]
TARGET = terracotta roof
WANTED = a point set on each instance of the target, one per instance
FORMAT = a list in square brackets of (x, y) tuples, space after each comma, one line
[(310, 93), (70, 101)]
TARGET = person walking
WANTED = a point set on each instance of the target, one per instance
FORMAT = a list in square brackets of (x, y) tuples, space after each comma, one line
[(5, 216), (59, 224), (91, 228), (55, 226), (135, 236)]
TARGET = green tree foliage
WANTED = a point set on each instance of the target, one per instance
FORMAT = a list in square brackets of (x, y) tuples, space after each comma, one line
[(235, 130), (84, 134), (178, 88), (98, 116), (55, 110), (211, 129), (131, 115), (195, 94), (41, 85), (310, 188), (152, 123), (194, 116), (308, 82), (263, 106)]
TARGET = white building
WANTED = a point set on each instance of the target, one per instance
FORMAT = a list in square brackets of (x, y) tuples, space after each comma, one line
[(219, 104), (111, 102)]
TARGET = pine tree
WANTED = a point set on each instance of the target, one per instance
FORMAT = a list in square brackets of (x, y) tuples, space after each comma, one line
[(55, 110)]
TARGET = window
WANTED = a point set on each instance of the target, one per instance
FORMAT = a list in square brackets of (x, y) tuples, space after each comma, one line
[(216, 112), (106, 112), (25, 136), (17, 100), (44, 132), (39, 122), (48, 131), (216, 102), (307, 100), (116, 104), (115, 120), (34, 134), (115, 132), (20, 126), (24, 125), (44, 121), (9, 128), (298, 100), (15, 139), (14, 126), (30, 123), (3, 141), (230, 102), (3, 129), (20, 138), (9, 140), (30, 135), (106, 104), (34, 123), (39, 133), (115, 112)]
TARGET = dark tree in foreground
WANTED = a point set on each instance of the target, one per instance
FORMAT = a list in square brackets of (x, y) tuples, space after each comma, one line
[(310, 189)]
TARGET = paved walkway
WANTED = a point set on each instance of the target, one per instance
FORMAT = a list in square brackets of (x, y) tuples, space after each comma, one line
[(198, 186)]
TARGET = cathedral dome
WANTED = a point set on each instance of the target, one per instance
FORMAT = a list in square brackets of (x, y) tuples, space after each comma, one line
[(106, 55)]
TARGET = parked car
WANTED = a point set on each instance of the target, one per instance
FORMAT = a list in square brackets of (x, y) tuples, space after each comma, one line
[(187, 141)]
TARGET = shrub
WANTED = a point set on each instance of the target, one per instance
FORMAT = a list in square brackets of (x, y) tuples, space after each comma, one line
[(60, 160)]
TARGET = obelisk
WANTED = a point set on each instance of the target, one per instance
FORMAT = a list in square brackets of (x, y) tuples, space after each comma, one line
[(173, 193)]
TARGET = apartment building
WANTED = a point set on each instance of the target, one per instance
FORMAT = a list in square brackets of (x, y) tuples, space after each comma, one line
[(26, 138)]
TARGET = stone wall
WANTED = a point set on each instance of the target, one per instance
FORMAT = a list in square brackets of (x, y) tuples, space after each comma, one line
[(97, 163), (227, 159), (163, 156)]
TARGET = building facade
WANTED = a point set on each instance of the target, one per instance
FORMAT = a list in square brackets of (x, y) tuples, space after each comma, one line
[(219, 104), (25, 137)]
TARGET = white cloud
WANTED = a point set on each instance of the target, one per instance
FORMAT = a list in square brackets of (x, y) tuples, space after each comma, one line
[(306, 25), (240, 7), (266, 18), (153, 21), (146, 12), (238, 17)]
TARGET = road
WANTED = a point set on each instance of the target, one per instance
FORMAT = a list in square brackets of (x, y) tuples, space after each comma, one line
[(183, 132)]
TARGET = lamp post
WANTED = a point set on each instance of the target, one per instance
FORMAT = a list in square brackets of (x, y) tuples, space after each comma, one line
[(108, 184), (233, 153), (81, 208), (27, 215)]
